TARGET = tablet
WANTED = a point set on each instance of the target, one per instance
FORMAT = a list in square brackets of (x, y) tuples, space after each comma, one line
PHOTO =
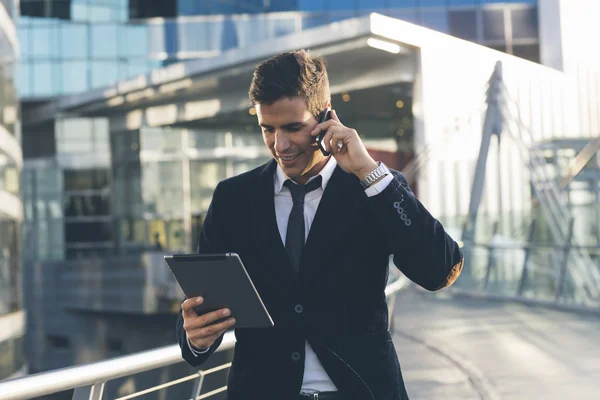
[(223, 282)]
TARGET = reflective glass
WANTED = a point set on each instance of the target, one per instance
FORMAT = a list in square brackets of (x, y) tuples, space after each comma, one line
[(463, 2), (493, 24), (525, 23), (463, 24), (311, 5), (104, 40), (74, 40), (342, 5), (133, 42), (435, 19), (433, 3), (43, 73), (24, 78), (403, 3), (44, 42), (372, 4), (104, 73), (284, 5), (74, 76)]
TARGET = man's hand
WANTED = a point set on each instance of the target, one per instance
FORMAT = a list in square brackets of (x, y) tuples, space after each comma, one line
[(352, 156), (200, 335)]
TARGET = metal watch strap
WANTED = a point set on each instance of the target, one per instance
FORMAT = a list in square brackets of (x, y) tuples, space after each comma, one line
[(377, 173)]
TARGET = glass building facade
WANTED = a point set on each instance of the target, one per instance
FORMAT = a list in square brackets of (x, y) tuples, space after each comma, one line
[(70, 46), (12, 328)]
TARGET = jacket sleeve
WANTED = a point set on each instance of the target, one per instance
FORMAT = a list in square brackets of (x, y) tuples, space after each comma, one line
[(211, 241), (422, 249)]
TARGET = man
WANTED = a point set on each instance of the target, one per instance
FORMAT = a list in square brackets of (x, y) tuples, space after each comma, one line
[(315, 233)]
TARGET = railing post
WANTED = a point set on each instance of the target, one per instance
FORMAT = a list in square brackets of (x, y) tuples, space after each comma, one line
[(490, 256), (93, 392), (563, 268), (198, 385), (528, 250)]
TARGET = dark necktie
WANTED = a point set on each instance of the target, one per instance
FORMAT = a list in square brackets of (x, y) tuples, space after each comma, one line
[(294, 239)]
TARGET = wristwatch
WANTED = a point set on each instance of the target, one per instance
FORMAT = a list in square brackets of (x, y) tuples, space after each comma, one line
[(377, 173)]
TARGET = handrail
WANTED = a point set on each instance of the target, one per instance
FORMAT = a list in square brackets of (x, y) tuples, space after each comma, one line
[(68, 378), (98, 373)]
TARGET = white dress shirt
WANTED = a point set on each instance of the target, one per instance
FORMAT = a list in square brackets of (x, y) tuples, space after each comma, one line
[(315, 376)]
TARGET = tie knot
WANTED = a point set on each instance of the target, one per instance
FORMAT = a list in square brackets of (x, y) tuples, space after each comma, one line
[(299, 191)]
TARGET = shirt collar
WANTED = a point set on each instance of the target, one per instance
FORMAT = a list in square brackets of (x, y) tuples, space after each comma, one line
[(326, 173)]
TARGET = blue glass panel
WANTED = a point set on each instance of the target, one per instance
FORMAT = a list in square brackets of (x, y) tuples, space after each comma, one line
[(102, 13), (24, 79), (343, 5), (403, 3), (24, 39), (408, 14), (74, 40), (74, 76), (342, 15), (311, 5), (223, 7), (43, 79), (44, 42), (371, 4), (79, 10), (104, 73), (311, 21), (434, 3), (284, 5), (134, 41), (104, 40), (463, 2), (251, 6), (435, 19)]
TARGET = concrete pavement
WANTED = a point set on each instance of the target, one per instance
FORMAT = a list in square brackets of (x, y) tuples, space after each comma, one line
[(461, 348)]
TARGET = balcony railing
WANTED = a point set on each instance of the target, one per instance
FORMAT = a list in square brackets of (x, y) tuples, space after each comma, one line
[(89, 380)]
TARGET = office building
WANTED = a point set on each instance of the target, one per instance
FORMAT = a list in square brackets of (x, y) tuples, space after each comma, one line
[(12, 316), (117, 174)]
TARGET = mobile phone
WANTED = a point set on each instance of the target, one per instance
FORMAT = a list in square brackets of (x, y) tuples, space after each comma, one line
[(322, 118)]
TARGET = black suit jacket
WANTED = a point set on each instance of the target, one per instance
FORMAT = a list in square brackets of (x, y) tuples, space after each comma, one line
[(343, 275)]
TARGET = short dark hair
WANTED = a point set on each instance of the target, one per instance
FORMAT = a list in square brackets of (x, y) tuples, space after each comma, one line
[(292, 74)]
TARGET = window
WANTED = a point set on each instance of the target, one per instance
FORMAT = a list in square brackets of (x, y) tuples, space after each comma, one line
[(92, 179), (58, 341), (86, 205), (46, 8), (525, 24), (463, 24), (152, 8), (493, 24), (78, 232), (529, 52)]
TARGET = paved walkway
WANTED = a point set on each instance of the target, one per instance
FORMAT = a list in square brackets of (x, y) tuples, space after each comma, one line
[(460, 348)]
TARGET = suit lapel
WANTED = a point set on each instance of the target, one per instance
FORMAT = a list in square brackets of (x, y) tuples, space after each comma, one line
[(266, 232), (339, 198)]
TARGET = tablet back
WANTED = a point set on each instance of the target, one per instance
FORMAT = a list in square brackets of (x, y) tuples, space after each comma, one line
[(223, 282)]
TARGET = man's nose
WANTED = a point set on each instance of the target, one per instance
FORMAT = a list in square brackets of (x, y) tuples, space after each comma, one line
[(282, 142)]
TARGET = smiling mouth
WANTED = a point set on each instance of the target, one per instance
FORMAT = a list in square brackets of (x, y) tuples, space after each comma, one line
[(289, 158)]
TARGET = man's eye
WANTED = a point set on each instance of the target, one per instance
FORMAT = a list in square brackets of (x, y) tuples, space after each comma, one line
[(268, 130), (295, 128)]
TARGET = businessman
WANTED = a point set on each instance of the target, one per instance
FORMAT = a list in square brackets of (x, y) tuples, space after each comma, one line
[(315, 233)]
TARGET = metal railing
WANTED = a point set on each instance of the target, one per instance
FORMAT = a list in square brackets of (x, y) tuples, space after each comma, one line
[(89, 380)]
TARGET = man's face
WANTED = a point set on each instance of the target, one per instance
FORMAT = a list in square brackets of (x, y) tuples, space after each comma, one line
[(286, 126)]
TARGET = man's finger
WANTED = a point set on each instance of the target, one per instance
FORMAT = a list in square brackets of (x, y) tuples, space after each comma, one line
[(210, 317), (187, 307), (216, 328), (323, 126)]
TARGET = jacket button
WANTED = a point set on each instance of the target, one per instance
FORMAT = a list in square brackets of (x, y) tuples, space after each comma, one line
[(295, 356), (407, 222), (298, 308)]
